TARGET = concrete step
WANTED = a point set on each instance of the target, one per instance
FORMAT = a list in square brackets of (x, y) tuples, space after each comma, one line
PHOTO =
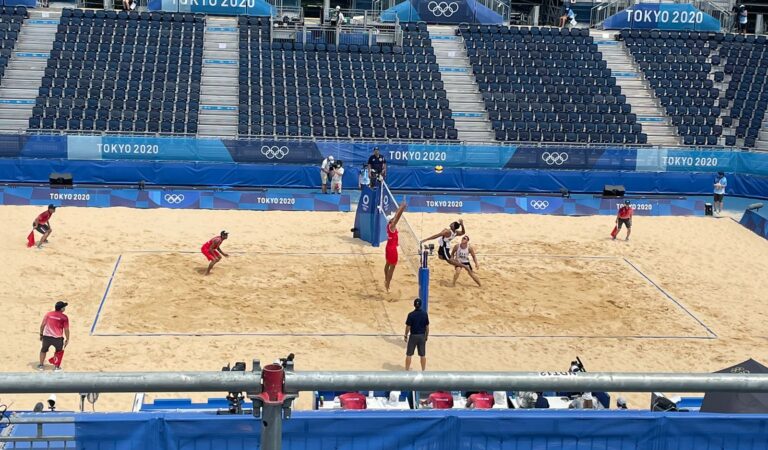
[(473, 126), (221, 72), (461, 53), (460, 87), (465, 97), (22, 83), (14, 125), (219, 45), (217, 130), (476, 136), (213, 99), (219, 90), (15, 113), (21, 73), (20, 109), (7, 92), (217, 119), (466, 107), (221, 55)]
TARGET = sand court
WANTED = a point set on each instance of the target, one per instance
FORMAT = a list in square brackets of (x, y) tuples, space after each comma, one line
[(298, 282), (304, 294)]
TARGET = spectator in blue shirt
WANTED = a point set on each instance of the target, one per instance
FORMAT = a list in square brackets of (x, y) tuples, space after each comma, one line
[(416, 334)]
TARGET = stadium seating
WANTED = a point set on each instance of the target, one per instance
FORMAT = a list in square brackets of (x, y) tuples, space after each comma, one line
[(686, 68), (344, 90), (548, 84), (122, 72), (743, 59), (11, 19)]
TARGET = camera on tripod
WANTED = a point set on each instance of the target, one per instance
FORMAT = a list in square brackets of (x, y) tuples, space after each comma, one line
[(429, 248), (577, 366)]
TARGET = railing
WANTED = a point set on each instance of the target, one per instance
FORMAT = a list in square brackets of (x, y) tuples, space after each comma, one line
[(274, 388), (721, 14), (366, 35)]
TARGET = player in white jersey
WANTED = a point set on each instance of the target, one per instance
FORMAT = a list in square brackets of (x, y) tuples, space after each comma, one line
[(444, 239), (461, 254)]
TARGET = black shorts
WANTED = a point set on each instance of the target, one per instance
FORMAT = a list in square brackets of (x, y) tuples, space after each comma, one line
[(627, 222), (444, 253), (719, 197), (417, 341), (43, 228), (48, 341), (467, 265)]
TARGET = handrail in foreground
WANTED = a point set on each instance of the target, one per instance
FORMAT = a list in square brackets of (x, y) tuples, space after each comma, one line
[(25, 383)]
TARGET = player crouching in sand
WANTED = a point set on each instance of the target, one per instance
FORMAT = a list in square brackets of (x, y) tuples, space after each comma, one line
[(460, 255), (213, 251)]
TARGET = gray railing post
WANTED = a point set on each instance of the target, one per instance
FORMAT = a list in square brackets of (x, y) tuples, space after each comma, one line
[(271, 403)]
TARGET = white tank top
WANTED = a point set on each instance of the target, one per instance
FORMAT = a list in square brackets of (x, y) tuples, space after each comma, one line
[(463, 254), (445, 242)]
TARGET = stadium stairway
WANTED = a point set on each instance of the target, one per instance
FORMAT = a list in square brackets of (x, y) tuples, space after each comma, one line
[(464, 99), (762, 140), (655, 123), (19, 87), (218, 87)]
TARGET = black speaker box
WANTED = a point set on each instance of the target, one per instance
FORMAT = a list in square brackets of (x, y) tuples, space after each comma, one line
[(60, 179), (613, 190)]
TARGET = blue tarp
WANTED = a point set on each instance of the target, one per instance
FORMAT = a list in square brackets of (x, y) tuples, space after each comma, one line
[(433, 430)]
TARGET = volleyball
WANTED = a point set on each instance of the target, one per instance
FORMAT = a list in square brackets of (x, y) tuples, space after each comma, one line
[(439, 169)]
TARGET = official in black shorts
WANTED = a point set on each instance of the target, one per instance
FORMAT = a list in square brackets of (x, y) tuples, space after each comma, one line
[(416, 335)]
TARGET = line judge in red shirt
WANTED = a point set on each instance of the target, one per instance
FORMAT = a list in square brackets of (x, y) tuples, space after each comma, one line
[(439, 400), (42, 225), (54, 331), (353, 400), (624, 217), (480, 400), (213, 251)]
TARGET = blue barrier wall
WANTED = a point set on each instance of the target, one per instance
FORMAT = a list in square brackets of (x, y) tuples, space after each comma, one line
[(174, 198), (755, 222), (355, 154), (404, 178), (218, 7), (433, 430)]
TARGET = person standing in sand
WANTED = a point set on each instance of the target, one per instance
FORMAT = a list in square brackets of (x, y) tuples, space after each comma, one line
[(213, 251), (461, 253)]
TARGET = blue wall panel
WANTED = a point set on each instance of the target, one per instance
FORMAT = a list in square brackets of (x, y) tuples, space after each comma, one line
[(755, 222), (433, 430)]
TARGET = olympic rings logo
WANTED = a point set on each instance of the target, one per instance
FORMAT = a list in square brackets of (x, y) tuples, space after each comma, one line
[(274, 152), (366, 200), (173, 199), (443, 9), (556, 158), (539, 204)]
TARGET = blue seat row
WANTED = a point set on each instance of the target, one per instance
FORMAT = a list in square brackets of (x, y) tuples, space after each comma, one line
[(548, 136), (154, 16), (186, 126), (349, 132)]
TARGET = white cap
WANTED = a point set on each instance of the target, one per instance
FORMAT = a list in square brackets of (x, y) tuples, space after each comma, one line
[(330, 157), (338, 8), (390, 217)]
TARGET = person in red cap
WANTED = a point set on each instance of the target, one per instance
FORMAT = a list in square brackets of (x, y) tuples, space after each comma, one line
[(213, 251), (42, 225), (439, 400), (54, 331), (353, 400), (480, 400)]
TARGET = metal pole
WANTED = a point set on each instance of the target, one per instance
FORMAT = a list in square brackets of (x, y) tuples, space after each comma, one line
[(272, 426), (26, 383)]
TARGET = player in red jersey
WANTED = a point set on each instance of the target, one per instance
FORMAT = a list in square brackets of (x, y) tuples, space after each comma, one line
[(42, 225), (213, 251), (624, 217), (390, 251)]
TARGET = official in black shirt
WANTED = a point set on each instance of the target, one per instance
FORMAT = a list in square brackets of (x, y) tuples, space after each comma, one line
[(416, 334), (377, 165)]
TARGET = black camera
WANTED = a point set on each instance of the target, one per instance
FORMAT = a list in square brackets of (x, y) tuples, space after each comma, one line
[(235, 399), (577, 366)]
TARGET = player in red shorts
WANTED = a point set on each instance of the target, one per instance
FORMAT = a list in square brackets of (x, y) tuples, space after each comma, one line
[(42, 226), (213, 251), (390, 252)]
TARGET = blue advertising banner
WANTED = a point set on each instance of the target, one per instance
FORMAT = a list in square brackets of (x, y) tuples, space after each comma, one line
[(755, 222), (175, 199), (442, 11), (551, 205), (355, 155), (218, 7), (662, 16)]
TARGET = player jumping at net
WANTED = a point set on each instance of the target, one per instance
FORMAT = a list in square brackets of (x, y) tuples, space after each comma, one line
[(42, 225), (390, 252), (444, 239), (461, 254), (213, 251)]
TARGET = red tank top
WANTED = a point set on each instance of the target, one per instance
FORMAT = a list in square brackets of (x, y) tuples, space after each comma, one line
[(215, 239), (391, 237)]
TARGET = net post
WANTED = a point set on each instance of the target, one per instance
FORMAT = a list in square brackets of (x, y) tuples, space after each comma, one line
[(424, 281)]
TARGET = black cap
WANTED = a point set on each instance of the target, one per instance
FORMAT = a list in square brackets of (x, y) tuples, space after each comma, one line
[(417, 303), (722, 174), (53, 207), (61, 305), (626, 202), (223, 233)]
